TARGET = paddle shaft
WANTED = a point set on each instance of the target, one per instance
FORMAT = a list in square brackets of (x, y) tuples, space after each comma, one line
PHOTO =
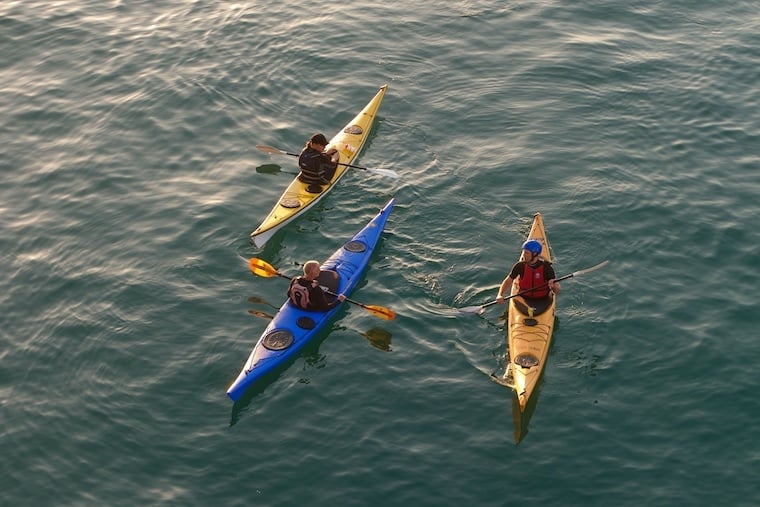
[(575, 273), (272, 150), (523, 292), (339, 163), (263, 268)]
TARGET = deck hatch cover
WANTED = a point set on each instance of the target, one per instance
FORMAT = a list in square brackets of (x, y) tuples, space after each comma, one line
[(526, 360), (279, 339)]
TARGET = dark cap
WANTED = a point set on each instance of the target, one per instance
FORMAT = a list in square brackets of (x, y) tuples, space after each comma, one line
[(318, 139)]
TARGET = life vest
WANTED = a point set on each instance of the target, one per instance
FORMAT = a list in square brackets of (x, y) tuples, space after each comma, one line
[(310, 161), (299, 293), (533, 276)]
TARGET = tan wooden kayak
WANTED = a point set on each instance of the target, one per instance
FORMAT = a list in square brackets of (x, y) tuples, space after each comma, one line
[(529, 333)]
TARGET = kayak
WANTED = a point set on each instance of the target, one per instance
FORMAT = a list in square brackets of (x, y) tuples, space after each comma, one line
[(299, 197), (292, 328), (529, 331)]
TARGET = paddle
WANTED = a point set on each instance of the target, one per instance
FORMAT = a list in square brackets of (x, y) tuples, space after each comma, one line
[(383, 172), (480, 308), (263, 268)]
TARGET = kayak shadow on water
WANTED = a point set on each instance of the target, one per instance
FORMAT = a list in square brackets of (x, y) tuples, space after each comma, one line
[(241, 405)]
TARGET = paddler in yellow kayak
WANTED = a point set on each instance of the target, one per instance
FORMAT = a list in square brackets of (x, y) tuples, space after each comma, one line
[(536, 277), (317, 165)]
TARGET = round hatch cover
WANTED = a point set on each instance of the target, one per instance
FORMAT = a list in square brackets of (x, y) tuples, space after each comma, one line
[(290, 203), (353, 129), (526, 360), (355, 246), (279, 339), (305, 322)]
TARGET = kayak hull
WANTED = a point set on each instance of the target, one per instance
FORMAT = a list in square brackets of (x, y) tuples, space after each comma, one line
[(299, 197), (292, 328), (529, 333)]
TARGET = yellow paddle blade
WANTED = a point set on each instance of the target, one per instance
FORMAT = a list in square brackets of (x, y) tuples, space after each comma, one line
[(380, 311), (262, 268)]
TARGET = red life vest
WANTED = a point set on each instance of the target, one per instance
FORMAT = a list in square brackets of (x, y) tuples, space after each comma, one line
[(533, 276)]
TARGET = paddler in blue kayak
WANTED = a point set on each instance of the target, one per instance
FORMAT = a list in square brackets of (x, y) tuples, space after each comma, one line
[(317, 165), (536, 279), (306, 293)]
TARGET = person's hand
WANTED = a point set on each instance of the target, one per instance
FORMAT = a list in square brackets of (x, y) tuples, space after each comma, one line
[(331, 151), (554, 286), (341, 297), (500, 300)]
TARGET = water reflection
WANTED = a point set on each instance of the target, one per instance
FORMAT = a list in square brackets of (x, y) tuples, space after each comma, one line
[(378, 338)]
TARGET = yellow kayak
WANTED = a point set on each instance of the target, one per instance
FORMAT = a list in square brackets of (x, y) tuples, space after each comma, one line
[(299, 196), (529, 332)]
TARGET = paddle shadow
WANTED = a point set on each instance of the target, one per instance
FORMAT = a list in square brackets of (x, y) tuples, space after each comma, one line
[(379, 338), (272, 169)]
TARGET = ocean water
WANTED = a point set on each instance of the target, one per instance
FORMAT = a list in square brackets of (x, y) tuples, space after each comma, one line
[(130, 183)]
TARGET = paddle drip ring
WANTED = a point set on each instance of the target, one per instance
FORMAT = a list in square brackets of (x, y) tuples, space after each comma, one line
[(355, 246), (279, 339), (526, 360), (353, 129)]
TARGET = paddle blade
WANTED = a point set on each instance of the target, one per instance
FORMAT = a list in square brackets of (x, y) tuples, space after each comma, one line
[(262, 268), (472, 310), (384, 172), (380, 311), (270, 149), (592, 268)]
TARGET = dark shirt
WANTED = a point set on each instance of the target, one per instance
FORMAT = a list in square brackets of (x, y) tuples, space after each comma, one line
[(309, 295), (316, 167)]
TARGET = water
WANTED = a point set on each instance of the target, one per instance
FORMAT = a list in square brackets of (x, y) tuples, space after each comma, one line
[(130, 185)]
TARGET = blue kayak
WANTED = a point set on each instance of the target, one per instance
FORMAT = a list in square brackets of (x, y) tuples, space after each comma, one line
[(292, 328)]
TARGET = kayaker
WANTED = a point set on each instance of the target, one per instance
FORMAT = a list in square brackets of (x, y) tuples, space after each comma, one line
[(536, 276), (305, 292), (317, 165)]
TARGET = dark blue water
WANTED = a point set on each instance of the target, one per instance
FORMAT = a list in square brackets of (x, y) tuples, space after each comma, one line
[(130, 183)]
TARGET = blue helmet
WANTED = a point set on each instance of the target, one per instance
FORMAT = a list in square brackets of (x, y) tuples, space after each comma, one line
[(533, 246)]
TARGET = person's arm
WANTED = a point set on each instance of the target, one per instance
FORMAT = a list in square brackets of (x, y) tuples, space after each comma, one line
[(339, 300), (321, 299), (553, 286), (508, 281), (503, 287), (332, 157)]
